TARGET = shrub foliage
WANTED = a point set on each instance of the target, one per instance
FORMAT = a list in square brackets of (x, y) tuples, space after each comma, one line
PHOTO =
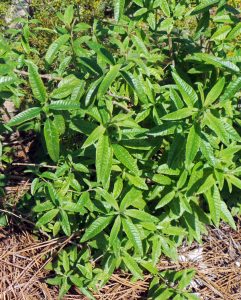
[(140, 118)]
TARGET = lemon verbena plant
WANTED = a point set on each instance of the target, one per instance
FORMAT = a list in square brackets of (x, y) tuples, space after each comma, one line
[(140, 116)]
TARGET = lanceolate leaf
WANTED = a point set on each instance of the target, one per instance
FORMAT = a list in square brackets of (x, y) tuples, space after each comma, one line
[(47, 217), (141, 215), (115, 230), (92, 92), (235, 181), (207, 185), (125, 158), (166, 199), (108, 197), (51, 136), (188, 93), (234, 32), (221, 33), (231, 90), (5, 80), (165, 7), (119, 6), (217, 126), (96, 227), (135, 84), (218, 62), (107, 81), (137, 181), (133, 235), (54, 48), (193, 144), (94, 136), (214, 203), (215, 92), (65, 223), (103, 160), (36, 83), (182, 113), (130, 197), (204, 6), (132, 266), (24, 116), (64, 105), (227, 216)]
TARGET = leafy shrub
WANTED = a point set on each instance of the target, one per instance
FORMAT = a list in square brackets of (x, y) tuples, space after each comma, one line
[(141, 121)]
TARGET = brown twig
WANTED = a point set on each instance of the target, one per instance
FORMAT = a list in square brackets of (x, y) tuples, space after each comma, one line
[(34, 165), (45, 76), (171, 52)]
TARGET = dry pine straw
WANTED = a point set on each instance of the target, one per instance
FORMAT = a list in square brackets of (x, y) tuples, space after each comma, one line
[(217, 264)]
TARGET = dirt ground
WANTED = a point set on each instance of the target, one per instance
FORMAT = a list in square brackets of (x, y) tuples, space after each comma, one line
[(23, 256)]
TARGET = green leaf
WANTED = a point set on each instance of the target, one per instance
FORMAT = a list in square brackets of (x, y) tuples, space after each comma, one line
[(221, 33), (161, 179), (132, 196), (140, 45), (94, 136), (119, 6), (164, 129), (215, 92), (204, 6), (125, 158), (166, 199), (231, 90), (96, 227), (5, 80), (188, 93), (115, 230), (227, 216), (218, 62), (133, 235), (108, 197), (47, 217), (54, 48), (65, 261), (69, 15), (234, 180), (51, 136), (149, 266), (179, 114), (24, 116), (65, 223), (118, 187), (107, 81), (47, 205), (64, 105), (36, 83), (137, 181), (151, 21), (217, 126), (134, 82), (92, 92), (192, 145), (187, 276), (103, 160), (164, 7), (101, 52), (234, 32), (207, 185), (132, 266), (141, 215), (140, 12), (214, 202)]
